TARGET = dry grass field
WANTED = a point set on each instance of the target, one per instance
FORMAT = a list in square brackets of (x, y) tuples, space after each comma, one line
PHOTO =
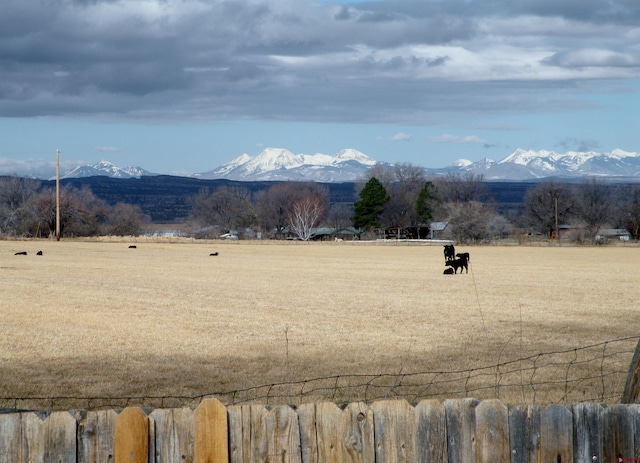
[(96, 319)]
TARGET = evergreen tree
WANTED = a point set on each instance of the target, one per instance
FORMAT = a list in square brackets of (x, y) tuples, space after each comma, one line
[(368, 208), (425, 202)]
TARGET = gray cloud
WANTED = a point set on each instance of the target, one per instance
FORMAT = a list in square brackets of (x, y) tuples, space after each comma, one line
[(388, 61)]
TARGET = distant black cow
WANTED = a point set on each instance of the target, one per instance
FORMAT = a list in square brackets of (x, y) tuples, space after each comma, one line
[(39, 253), (213, 254), (448, 271), (464, 256), (458, 264), (21, 253), (133, 246), (449, 252)]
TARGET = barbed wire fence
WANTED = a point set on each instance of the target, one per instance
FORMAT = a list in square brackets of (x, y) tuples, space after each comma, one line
[(593, 373)]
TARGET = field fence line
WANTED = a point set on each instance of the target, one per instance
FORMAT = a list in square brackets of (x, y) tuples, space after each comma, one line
[(592, 373)]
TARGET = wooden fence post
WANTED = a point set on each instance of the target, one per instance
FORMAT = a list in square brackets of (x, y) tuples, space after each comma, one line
[(631, 392), (394, 431), (211, 437), (492, 432), (131, 436)]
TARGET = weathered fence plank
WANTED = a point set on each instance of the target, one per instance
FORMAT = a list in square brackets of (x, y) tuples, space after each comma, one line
[(173, 435), (32, 439), (328, 433), (587, 432), (283, 435), (264, 435), (95, 435), (59, 433), (492, 432), (236, 434), (524, 433), (463, 430), (395, 429), (10, 437), (461, 424), (431, 432), (556, 434), (210, 432), (618, 433), (131, 436)]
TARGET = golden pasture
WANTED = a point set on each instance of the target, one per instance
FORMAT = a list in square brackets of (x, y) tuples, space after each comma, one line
[(95, 319)]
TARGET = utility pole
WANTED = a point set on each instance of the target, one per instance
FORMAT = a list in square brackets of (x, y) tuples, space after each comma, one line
[(57, 195)]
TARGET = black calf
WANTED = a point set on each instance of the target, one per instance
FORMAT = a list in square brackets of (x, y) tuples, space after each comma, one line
[(458, 264)]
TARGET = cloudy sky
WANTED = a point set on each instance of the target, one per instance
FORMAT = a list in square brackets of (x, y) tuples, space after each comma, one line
[(183, 86)]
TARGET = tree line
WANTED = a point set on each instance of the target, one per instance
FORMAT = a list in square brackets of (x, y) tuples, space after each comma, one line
[(400, 197), (28, 209)]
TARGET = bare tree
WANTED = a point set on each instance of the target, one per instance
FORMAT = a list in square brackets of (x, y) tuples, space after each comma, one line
[(228, 207), (126, 219), (273, 205), (305, 215), (459, 188), (630, 210), (547, 204), (595, 203), (469, 221), (17, 199)]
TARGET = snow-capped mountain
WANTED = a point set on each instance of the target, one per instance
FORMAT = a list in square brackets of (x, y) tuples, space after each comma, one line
[(280, 164), (529, 165), (107, 169), (349, 165)]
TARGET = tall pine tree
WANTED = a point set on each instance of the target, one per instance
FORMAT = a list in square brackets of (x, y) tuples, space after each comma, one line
[(368, 208)]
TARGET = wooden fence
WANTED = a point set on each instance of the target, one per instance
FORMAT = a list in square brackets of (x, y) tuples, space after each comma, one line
[(464, 430)]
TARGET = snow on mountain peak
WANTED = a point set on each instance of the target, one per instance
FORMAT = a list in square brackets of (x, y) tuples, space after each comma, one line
[(461, 163), (351, 154)]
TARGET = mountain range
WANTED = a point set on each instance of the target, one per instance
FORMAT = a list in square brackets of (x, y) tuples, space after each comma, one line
[(276, 164)]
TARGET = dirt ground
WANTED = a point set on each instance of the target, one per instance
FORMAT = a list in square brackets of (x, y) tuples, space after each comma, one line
[(92, 324)]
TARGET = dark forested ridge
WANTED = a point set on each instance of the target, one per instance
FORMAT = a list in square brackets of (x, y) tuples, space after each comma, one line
[(164, 198)]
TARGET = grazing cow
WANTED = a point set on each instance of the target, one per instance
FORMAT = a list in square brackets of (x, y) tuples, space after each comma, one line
[(458, 264), (214, 253), (448, 271), (21, 253), (39, 253), (449, 252), (133, 246)]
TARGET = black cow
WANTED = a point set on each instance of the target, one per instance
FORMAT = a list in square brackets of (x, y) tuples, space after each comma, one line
[(39, 253), (464, 256), (214, 253), (449, 252), (458, 264), (21, 253), (448, 271)]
